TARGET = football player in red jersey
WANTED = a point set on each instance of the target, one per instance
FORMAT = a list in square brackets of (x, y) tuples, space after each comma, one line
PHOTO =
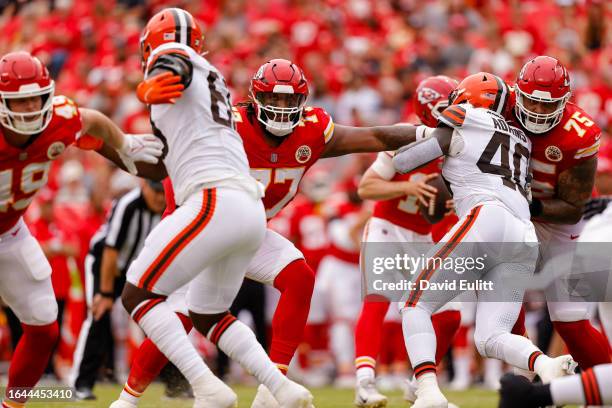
[(35, 128), (283, 138), (564, 162), (396, 219)]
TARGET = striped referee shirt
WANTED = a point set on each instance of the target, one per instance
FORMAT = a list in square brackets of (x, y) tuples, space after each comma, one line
[(126, 229)]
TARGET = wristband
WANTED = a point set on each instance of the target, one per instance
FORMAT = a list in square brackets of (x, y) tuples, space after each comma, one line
[(536, 208), (109, 295)]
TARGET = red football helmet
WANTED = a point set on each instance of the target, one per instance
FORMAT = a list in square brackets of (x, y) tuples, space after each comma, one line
[(24, 76), (431, 98), (170, 25), (483, 90), (542, 90), (279, 91)]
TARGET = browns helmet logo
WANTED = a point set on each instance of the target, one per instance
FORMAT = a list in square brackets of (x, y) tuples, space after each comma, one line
[(427, 95), (303, 153), (553, 153), (55, 149)]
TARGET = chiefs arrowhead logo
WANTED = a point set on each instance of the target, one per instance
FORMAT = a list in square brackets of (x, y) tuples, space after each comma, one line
[(427, 95), (553, 153), (55, 149), (303, 153)]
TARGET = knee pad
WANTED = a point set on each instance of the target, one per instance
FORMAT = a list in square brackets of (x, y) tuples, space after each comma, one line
[(482, 340), (42, 312), (570, 311)]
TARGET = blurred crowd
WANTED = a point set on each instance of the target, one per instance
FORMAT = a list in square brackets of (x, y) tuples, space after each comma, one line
[(363, 60)]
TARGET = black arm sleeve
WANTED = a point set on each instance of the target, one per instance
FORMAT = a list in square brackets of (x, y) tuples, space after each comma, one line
[(175, 63)]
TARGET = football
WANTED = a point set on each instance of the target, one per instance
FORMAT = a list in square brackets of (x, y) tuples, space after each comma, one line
[(437, 205)]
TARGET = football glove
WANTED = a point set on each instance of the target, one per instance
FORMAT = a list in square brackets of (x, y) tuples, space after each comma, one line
[(159, 89), (140, 148)]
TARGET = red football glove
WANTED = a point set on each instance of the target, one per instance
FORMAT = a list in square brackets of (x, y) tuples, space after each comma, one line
[(162, 88)]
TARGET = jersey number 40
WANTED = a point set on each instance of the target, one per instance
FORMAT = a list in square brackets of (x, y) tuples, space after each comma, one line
[(509, 171)]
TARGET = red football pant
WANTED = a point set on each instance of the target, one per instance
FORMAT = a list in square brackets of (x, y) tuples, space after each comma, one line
[(584, 342)]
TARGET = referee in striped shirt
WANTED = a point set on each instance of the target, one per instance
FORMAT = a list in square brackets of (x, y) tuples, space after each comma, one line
[(111, 251)]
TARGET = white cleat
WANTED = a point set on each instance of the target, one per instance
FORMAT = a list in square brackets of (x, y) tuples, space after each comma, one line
[(264, 398), (293, 395), (122, 404), (367, 396), (212, 392), (428, 393), (557, 367)]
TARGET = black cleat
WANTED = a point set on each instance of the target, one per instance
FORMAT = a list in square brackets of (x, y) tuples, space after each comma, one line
[(518, 392)]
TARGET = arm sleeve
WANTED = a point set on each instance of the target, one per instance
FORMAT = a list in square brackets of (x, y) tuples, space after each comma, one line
[(383, 165), (175, 61)]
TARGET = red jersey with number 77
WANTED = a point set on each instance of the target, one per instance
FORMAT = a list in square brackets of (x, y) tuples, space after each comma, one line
[(23, 171), (279, 169), (575, 139)]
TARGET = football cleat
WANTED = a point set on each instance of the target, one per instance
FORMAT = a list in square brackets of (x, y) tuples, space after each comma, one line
[(428, 393), (293, 395), (210, 391), (557, 367), (367, 396), (264, 398), (122, 404), (518, 392)]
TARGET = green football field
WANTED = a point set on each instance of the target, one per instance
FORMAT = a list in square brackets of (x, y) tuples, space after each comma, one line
[(324, 398)]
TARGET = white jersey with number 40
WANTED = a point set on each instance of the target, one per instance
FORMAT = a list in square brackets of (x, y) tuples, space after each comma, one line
[(492, 163), (204, 149)]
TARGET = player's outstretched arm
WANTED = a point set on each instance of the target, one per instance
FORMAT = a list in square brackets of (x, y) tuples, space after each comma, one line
[(424, 151), (348, 139), (574, 189), (149, 171), (374, 186), (130, 148)]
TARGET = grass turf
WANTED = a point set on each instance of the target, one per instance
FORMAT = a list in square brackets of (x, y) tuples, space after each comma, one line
[(324, 398)]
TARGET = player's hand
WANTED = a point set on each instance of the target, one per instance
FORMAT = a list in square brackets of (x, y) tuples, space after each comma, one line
[(140, 148), (595, 206), (159, 89), (450, 207), (100, 306), (423, 191)]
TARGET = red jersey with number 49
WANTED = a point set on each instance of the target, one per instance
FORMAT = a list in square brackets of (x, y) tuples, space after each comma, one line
[(281, 168), (24, 171), (402, 211), (575, 139)]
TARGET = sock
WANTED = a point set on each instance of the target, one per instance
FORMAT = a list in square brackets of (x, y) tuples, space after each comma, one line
[(236, 340), (147, 363), (584, 342), (519, 327), (296, 283), (462, 365), (342, 343), (31, 356), (445, 324), (419, 336), (587, 388), (165, 330), (368, 330), (492, 371), (515, 350)]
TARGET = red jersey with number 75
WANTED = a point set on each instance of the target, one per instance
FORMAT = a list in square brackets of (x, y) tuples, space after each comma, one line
[(23, 171), (281, 168), (575, 139)]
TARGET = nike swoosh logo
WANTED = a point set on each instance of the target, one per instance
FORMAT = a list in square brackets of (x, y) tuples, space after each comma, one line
[(574, 236), (15, 232)]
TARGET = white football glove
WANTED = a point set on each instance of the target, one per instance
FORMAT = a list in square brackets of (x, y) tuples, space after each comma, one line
[(145, 148)]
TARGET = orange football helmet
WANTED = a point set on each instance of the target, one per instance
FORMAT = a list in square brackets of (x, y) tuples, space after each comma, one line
[(483, 90), (170, 25)]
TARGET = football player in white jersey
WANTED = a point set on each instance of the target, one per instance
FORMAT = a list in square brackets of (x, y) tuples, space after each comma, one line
[(208, 242), (490, 194)]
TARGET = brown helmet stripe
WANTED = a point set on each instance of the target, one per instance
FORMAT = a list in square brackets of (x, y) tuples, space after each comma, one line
[(501, 96)]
